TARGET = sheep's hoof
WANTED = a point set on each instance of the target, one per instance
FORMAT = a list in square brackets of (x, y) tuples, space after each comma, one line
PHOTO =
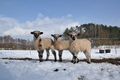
[(74, 62), (55, 60), (41, 60), (71, 61), (78, 61), (88, 62), (60, 60), (46, 59)]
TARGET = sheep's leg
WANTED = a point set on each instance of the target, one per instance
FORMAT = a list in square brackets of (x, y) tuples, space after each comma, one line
[(72, 58), (88, 56), (75, 59), (40, 54), (54, 53), (60, 55), (47, 50)]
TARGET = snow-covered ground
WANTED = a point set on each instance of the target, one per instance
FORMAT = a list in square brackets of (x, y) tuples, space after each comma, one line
[(49, 70)]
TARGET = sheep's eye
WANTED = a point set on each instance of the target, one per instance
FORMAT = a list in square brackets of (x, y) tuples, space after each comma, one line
[(73, 37)]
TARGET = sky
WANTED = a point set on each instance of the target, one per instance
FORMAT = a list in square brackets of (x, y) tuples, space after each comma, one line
[(19, 17)]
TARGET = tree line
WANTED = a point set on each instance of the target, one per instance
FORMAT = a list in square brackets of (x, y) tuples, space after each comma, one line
[(7, 42), (98, 34)]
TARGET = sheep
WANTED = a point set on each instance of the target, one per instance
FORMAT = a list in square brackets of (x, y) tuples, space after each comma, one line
[(60, 45), (42, 44), (77, 45)]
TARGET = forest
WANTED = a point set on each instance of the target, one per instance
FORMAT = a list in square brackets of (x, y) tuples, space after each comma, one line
[(98, 34), (8, 43)]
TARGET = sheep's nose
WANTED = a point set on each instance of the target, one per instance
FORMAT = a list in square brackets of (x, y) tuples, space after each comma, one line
[(36, 35), (56, 38), (73, 37)]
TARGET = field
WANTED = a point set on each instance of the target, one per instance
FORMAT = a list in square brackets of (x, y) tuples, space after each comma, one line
[(24, 65)]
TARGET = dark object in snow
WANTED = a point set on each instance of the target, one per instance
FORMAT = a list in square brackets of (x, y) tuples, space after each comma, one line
[(56, 70), (6, 62), (102, 69), (81, 78), (64, 69)]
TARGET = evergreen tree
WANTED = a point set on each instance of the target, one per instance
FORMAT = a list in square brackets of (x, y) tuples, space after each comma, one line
[(99, 33)]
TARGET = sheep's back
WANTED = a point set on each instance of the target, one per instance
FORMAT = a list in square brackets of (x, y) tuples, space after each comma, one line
[(80, 45), (61, 45), (47, 41)]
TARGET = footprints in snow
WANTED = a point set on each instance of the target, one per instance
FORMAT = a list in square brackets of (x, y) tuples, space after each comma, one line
[(56, 70)]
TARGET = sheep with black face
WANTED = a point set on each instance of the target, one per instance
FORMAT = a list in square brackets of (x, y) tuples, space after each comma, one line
[(42, 44), (60, 45), (79, 45)]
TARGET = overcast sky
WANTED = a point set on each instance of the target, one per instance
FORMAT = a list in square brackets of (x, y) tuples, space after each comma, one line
[(19, 17)]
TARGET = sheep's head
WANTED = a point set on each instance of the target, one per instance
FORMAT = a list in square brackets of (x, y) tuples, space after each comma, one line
[(36, 33), (56, 36), (73, 35)]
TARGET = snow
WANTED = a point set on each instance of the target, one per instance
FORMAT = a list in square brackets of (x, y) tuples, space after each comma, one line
[(66, 54), (50, 70)]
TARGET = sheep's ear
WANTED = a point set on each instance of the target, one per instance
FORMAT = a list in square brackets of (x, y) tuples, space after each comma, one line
[(32, 32), (60, 35), (41, 32), (52, 35)]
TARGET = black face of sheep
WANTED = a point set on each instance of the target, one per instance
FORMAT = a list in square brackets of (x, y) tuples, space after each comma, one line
[(73, 35), (56, 36), (36, 33)]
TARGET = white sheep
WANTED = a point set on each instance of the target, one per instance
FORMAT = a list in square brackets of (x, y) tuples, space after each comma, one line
[(43, 43), (60, 45), (77, 45)]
